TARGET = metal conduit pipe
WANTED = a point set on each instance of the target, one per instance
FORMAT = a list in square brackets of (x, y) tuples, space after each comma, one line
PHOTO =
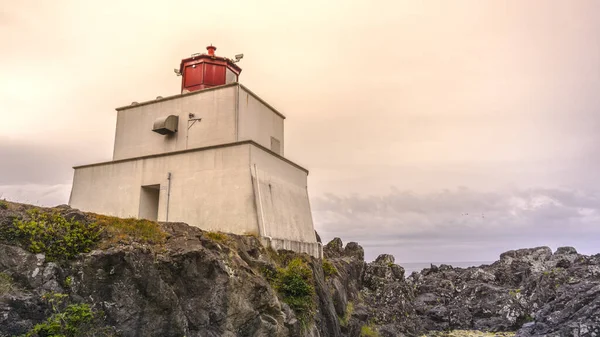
[(262, 215), (168, 196)]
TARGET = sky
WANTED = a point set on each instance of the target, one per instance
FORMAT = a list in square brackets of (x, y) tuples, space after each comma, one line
[(433, 130)]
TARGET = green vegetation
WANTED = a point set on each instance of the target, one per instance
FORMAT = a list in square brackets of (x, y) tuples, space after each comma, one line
[(6, 284), (3, 204), (270, 273), (368, 331), (55, 300), (68, 281), (328, 268), (553, 271), (73, 321), (216, 236), (275, 256), (52, 234), (61, 239), (514, 292), (68, 320), (296, 285), (349, 311), (130, 230)]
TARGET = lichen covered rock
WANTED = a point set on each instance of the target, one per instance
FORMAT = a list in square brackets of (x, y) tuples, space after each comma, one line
[(146, 279)]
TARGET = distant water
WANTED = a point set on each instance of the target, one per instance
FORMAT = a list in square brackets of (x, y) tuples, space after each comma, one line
[(418, 266)]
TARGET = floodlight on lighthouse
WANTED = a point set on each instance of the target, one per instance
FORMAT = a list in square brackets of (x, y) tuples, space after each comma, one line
[(238, 57), (177, 72)]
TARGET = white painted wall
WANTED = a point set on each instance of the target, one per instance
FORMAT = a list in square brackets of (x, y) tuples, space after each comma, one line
[(210, 189), (238, 188), (283, 204), (217, 108), (228, 114), (258, 122), (214, 189)]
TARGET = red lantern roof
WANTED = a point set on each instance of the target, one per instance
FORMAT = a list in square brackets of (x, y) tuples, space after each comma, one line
[(201, 71)]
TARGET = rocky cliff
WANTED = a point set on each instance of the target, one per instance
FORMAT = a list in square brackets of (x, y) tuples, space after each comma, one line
[(80, 274)]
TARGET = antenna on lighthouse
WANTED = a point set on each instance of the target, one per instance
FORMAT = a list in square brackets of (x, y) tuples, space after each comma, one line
[(238, 58)]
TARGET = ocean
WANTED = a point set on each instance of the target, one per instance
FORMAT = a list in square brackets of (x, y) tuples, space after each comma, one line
[(418, 266)]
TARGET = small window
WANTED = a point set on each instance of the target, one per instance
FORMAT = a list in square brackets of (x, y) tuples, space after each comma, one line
[(275, 145)]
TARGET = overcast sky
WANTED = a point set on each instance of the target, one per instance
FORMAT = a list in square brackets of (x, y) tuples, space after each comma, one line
[(433, 130)]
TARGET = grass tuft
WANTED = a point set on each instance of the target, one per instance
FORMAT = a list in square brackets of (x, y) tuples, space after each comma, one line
[(329, 269), (349, 311), (117, 230), (217, 236), (368, 331)]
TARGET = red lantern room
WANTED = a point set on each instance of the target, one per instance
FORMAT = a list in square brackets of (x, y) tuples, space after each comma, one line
[(201, 71)]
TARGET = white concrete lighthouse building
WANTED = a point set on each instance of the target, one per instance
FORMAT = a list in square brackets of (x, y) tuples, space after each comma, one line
[(212, 157)]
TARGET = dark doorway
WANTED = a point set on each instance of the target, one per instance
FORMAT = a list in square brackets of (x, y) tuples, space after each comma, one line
[(149, 202)]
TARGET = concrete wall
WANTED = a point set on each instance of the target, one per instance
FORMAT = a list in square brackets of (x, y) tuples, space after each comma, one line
[(258, 122), (228, 114), (281, 198), (239, 188), (210, 189), (216, 108)]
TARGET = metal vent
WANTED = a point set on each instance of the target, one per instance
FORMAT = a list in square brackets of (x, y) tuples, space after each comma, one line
[(166, 125)]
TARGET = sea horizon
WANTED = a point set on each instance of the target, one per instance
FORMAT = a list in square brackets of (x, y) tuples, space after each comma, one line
[(410, 267)]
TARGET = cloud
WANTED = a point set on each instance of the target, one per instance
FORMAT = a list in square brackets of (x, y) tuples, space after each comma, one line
[(42, 162), (460, 224), (24, 163), (40, 173), (37, 194), (445, 111)]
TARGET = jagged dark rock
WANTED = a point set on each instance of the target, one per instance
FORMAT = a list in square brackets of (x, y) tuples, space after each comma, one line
[(354, 250), (558, 292), (193, 285), (335, 248)]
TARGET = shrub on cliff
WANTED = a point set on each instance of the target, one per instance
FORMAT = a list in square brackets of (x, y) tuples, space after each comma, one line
[(52, 234), (69, 320), (296, 285)]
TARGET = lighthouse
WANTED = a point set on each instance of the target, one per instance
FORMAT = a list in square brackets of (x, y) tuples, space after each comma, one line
[(211, 156)]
